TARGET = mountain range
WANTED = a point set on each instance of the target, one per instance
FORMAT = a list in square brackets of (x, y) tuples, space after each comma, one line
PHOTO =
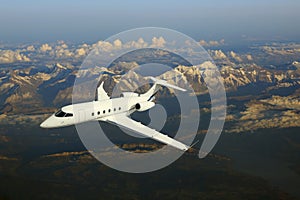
[(38, 85)]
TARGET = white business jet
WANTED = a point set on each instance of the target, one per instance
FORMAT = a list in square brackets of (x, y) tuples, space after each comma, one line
[(115, 111)]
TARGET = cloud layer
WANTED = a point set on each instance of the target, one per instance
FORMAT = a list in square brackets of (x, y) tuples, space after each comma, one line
[(9, 56)]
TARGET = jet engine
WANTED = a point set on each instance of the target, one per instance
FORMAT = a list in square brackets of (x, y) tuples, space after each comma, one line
[(144, 106), (129, 94)]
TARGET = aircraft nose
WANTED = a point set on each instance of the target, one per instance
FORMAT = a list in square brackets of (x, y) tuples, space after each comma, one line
[(47, 123), (43, 125)]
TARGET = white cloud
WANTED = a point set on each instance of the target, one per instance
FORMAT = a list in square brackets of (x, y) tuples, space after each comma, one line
[(61, 50), (282, 49), (62, 53), (104, 46), (203, 43), (235, 56), (140, 43), (30, 48), (45, 47), (158, 42), (80, 52), (222, 41), (118, 44), (64, 46), (218, 55), (249, 57), (8, 56), (85, 46), (212, 43)]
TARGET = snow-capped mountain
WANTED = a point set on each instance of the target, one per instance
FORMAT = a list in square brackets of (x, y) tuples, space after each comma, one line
[(37, 87)]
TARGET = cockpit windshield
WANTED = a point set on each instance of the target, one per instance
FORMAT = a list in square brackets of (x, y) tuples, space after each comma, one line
[(61, 113)]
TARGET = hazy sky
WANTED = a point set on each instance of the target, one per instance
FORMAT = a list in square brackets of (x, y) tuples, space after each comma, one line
[(91, 20)]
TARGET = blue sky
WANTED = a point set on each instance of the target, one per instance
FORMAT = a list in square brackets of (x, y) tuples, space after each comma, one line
[(91, 20)]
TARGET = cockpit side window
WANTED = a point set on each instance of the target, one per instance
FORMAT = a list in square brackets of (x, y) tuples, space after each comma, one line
[(69, 115), (60, 113)]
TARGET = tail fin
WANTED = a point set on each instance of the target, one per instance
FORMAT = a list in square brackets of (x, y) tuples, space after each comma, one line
[(157, 83)]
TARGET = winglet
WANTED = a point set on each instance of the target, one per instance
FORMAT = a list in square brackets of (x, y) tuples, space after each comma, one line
[(194, 144), (191, 148)]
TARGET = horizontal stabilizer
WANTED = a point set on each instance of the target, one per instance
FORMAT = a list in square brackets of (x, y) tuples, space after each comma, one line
[(166, 84)]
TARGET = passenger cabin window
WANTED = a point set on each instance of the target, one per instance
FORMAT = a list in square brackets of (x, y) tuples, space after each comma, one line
[(92, 114), (98, 112), (108, 110)]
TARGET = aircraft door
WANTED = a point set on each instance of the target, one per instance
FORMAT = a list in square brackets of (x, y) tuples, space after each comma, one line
[(81, 117)]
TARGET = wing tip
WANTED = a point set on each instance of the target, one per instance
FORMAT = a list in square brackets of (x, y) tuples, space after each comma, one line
[(101, 84)]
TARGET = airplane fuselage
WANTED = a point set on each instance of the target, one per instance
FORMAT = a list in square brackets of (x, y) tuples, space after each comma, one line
[(95, 110)]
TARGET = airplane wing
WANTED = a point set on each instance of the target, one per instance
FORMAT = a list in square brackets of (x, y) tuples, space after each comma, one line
[(128, 123), (102, 95)]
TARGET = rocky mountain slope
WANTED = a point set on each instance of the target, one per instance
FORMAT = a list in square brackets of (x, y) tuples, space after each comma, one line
[(35, 87), (43, 82)]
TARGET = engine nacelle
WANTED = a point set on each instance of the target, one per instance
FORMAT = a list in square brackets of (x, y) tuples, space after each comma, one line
[(129, 94), (144, 106)]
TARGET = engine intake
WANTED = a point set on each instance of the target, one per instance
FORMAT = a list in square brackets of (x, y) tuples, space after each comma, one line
[(144, 106), (137, 106), (129, 94)]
